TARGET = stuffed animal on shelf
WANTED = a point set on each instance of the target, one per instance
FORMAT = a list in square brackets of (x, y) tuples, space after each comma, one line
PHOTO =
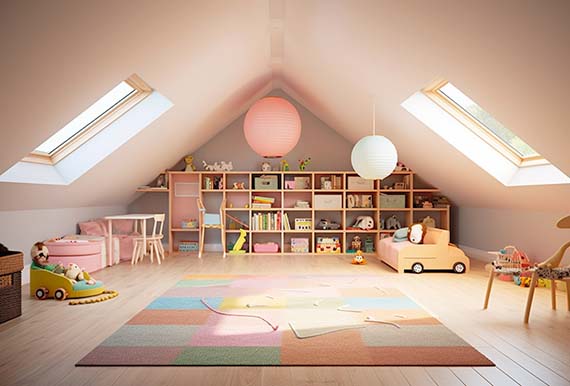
[(356, 243), (429, 221), (208, 167), (238, 185), (40, 258), (364, 223), (392, 222), (265, 167), (226, 166), (416, 233), (189, 160), (303, 163), (358, 258)]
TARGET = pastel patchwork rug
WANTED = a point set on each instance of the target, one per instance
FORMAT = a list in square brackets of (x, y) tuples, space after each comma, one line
[(225, 320)]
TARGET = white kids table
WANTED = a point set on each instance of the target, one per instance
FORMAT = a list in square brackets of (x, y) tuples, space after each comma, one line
[(137, 217)]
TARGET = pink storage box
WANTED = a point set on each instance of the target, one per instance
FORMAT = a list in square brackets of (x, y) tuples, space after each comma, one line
[(86, 254), (266, 247)]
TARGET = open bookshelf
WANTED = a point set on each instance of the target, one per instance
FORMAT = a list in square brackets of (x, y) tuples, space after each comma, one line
[(324, 204)]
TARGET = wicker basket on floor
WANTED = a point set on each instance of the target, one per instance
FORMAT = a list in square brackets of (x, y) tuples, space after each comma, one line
[(11, 285)]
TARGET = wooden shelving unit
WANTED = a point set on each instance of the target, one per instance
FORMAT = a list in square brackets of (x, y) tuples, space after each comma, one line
[(212, 187)]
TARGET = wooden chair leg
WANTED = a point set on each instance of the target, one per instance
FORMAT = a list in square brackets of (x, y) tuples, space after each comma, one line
[(223, 237), (161, 249), (202, 237), (553, 293), (530, 296), (489, 286), (134, 254), (155, 247), (140, 254), (151, 252)]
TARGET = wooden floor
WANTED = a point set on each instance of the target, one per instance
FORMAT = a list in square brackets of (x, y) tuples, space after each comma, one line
[(42, 346)]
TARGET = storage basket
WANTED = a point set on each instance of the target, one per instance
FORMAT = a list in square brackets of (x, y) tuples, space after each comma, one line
[(392, 200), (11, 285)]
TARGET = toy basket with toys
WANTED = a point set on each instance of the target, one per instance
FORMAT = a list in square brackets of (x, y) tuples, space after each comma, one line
[(509, 262)]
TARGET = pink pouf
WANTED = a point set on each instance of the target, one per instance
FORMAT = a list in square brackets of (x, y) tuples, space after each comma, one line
[(86, 254)]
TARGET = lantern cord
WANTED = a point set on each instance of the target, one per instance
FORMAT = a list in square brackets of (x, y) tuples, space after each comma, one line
[(374, 117)]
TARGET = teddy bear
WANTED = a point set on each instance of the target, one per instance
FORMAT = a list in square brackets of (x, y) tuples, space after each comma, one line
[(76, 274)]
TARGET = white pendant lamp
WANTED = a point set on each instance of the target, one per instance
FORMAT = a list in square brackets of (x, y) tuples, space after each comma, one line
[(374, 156)]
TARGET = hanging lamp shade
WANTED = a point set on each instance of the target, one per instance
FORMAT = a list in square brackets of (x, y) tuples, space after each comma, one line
[(272, 127), (374, 157)]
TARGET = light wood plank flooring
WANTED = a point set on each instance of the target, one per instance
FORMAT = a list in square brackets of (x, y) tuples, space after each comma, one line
[(42, 346)]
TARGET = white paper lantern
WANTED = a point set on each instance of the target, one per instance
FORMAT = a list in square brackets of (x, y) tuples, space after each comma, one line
[(374, 157)]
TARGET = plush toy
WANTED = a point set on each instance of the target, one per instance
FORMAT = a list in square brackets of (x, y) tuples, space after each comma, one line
[(358, 258), (189, 160), (364, 223), (303, 163), (416, 233), (265, 167), (393, 223), (429, 222), (40, 258), (76, 274), (356, 243)]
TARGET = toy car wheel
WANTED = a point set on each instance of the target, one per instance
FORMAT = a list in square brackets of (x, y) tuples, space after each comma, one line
[(459, 268), (417, 268), (60, 294), (41, 293)]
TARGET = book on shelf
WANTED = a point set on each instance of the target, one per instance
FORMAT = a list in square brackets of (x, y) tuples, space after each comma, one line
[(261, 199), (266, 221), (259, 205), (286, 223)]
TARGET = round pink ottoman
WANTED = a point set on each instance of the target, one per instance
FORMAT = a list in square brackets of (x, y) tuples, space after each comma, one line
[(86, 254)]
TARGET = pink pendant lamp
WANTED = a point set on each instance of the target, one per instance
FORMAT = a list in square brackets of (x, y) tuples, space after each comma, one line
[(272, 127)]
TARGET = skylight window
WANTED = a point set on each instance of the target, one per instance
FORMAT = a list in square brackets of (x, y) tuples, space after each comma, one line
[(465, 125), (494, 127), (91, 121)]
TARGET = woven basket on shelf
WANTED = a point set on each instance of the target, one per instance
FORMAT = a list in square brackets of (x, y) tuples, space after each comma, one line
[(11, 285)]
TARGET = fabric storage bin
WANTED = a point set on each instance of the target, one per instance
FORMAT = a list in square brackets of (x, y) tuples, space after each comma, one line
[(359, 183), (265, 183), (392, 200), (299, 245), (188, 246), (266, 247), (328, 201), (11, 285)]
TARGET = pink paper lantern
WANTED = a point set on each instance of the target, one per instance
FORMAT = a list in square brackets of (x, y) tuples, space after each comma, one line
[(272, 127)]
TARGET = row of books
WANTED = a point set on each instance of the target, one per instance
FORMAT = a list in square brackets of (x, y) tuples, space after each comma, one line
[(266, 221)]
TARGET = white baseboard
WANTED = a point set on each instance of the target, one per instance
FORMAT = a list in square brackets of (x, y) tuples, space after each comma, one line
[(477, 254)]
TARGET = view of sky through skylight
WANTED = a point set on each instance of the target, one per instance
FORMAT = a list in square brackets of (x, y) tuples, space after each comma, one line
[(83, 120), (495, 127)]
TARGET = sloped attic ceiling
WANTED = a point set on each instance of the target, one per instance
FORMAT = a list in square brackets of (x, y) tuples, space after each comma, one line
[(212, 59)]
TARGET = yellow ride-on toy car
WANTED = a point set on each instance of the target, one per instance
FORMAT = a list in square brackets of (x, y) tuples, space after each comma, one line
[(46, 284)]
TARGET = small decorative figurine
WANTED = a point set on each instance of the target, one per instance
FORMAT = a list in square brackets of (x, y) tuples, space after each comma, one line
[(303, 163), (265, 167), (356, 243), (284, 165), (393, 223), (400, 167), (358, 258), (189, 160)]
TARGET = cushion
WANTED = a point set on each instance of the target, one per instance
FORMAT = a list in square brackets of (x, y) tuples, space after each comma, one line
[(123, 227), (401, 235), (91, 228)]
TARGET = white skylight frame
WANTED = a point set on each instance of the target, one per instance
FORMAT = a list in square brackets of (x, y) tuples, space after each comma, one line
[(458, 131), (91, 121)]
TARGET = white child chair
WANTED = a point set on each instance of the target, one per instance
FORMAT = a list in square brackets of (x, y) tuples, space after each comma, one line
[(153, 242), (211, 221)]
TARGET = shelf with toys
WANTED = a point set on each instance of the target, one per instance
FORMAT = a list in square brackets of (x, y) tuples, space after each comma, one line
[(304, 211)]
